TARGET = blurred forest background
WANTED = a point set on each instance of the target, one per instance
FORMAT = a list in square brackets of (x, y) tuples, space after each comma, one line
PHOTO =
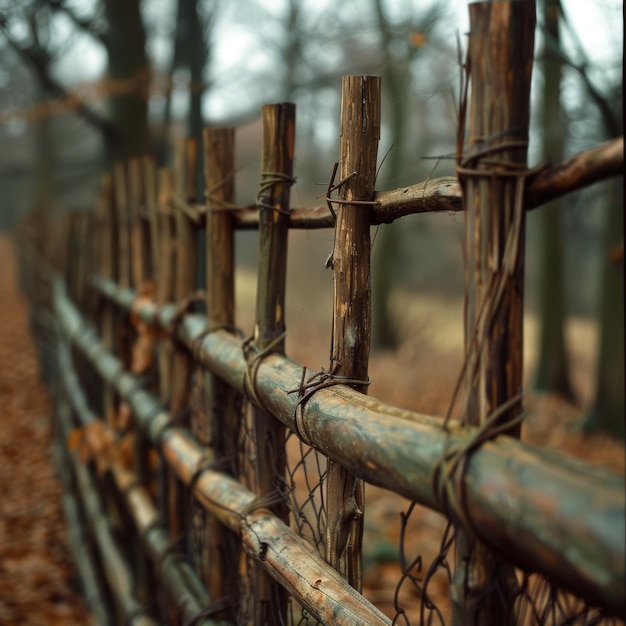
[(87, 82)]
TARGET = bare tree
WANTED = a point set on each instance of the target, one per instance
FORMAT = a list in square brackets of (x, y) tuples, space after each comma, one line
[(399, 46), (552, 367), (116, 25), (191, 53), (609, 407)]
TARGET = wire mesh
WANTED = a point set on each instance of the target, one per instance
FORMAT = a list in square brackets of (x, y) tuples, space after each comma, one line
[(536, 601), (305, 475)]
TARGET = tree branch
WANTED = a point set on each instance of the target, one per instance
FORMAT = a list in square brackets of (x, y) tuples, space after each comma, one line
[(581, 170), (610, 119), (444, 194), (39, 64), (86, 25)]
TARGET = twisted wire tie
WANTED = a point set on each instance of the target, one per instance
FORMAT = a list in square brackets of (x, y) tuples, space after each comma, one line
[(268, 180), (309, 387)]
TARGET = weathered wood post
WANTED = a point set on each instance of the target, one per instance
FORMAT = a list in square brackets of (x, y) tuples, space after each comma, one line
[(269, 434), (120, 190), (170, 489), (142, 189), (107, 267), (186, 255), (165, 285), (222, 418), (151, 213), (492, 176), (352, 317), (123, 338), (139, 242), (219, 163)]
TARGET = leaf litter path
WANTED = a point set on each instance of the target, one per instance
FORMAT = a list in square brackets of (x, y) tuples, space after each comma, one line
[(38, 583)]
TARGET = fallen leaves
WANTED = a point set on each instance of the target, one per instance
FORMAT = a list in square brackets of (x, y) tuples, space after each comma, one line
[(99, 443), (38, 584)]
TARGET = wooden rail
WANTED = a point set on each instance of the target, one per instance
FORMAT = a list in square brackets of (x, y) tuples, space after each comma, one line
[(349, 428)]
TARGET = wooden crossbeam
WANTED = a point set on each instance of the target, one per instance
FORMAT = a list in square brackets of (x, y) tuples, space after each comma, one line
[(444, 194)]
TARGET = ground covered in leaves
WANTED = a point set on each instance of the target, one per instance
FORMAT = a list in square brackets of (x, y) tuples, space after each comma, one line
[(38, 583)]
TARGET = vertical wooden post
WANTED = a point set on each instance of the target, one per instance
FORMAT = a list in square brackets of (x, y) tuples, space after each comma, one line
[(108, 267), (165, 286), (138, 241), (183, 273), (151, 237), (492, 178), (140, 187), (168, 488), (151, 213), (121, 206), (273, 204), (352, 318), (219, 160), (222, 418), (123, 338), (186, 253), (182, 239)]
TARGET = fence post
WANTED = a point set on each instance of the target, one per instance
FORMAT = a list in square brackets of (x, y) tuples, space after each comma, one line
[(170, 491), (492, 176), (141, 188), (120, 191), (138, 227), (165, 286), (352, 322), (186, 252), (222, 420), (107, 267), (269, 329), (151, 213)]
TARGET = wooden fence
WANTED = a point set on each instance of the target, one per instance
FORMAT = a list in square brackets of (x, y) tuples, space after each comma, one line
[(172, 426)]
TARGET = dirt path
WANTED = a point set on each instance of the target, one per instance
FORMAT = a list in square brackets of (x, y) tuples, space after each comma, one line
[(37, 578)]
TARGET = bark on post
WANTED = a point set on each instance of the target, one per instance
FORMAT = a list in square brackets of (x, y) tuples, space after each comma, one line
[(123, 335), (138, 226), (219, 159), (169, 489), (152, 218), (269, 433), (222, 408), (183, 242), (108, 267), (142, 188), (165, 286), (492, 179), (352, 322), (186, 244), (121, 206)]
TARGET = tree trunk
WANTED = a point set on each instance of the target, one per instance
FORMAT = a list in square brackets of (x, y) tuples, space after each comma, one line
[(397, 87), (552, 366), (608, 410), (128, 64)]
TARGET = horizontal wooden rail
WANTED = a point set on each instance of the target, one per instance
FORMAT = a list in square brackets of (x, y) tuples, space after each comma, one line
[(289, 559), (544, 511), (90, 585), (444, 194), (179, 580), (117, 569)]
